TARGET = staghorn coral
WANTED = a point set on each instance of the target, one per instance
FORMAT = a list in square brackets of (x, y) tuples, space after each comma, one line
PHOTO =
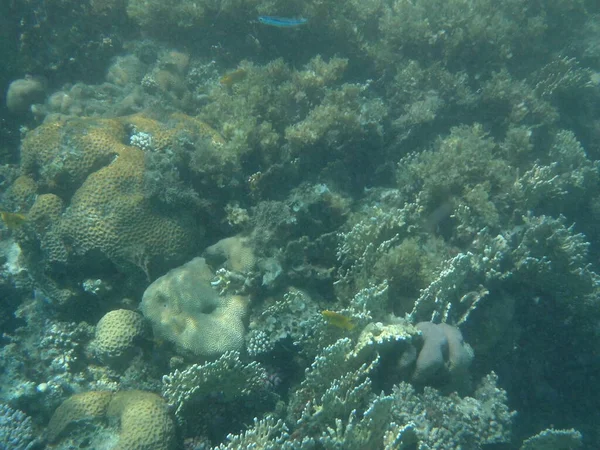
[(463, 170), (334, 407), (343, 114), (185, 310), (386, 244), (306, 108), (542, 255), (336, 383), (454, 422), (267, 434), (561, 182), (285, 317)]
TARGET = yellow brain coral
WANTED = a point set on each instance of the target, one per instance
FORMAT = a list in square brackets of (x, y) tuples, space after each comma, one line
[(141, 419), (109, 213), (94, 197), (43, 217), (117, 334), (87, 405), (184, 309), (144, 421), (60, 154)]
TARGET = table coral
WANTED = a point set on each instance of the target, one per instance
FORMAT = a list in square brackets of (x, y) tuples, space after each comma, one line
[(185, 310), (552, 439)]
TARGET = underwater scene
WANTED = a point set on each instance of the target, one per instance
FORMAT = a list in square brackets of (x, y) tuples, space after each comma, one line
[(300, 224)]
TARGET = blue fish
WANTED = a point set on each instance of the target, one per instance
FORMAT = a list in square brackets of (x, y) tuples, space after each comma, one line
[(282, 22)]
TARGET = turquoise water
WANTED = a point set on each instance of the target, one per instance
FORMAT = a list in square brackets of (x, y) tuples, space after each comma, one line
[(296, 225)]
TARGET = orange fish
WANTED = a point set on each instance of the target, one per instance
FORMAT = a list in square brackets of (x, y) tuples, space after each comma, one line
[(229, 79), (12, 220), (337, 320)]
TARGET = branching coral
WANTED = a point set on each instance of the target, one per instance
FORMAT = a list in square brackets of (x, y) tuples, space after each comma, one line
[(198, 380), (16, 430)]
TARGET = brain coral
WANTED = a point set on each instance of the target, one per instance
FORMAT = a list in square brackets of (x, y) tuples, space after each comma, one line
[(93, 198), (21, 194), (87, 405), (117, 334), (60, 154), (109, 213), (141, 418), (184, 309), (144, 421)]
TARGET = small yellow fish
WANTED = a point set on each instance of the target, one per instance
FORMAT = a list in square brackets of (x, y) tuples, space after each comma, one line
[(337, 320), (229, 79), (12, 220)]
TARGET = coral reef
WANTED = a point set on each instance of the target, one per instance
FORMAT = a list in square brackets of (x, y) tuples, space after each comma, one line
[(83, 173), (372, 226)]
